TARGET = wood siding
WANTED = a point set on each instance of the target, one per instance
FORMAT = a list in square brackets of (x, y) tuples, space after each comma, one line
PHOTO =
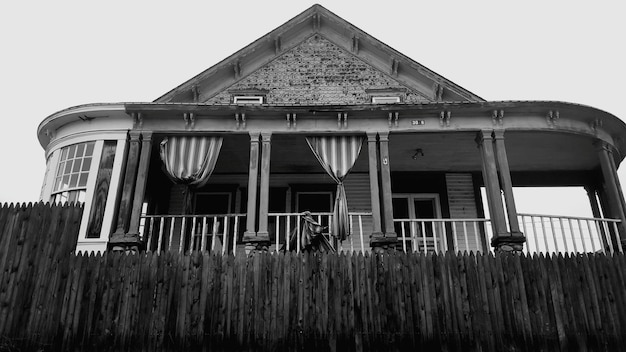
[(462, 205)]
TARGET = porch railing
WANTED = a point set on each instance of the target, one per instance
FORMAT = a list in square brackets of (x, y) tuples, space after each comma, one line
[(544, 234), (566, 234), (441, 235), (222, 233), (284, 225), (186, 233)]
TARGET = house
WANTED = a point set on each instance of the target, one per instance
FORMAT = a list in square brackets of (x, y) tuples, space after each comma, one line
[(319, 116)]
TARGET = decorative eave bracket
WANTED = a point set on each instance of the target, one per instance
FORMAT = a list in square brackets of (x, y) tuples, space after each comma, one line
[(596, 124), (552, 118), (444, 118), (392, 120), (342, 120), (190, 119), (291, 120), (496, 117), (240, 120), (137, 119)]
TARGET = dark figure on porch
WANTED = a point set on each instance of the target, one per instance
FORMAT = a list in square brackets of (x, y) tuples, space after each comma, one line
[(310, 237)]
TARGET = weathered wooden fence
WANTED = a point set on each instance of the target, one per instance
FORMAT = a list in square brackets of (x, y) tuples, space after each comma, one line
[(51, 300)]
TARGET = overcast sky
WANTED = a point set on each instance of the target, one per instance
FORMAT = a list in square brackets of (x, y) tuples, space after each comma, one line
[(58, 54)]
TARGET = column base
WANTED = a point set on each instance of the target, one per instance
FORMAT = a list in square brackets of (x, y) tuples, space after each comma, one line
[(128, 243), (254, 237), (509, 242), (256, 242), (381, 243)]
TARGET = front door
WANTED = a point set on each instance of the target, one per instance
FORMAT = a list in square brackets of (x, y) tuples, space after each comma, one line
[(413, 214)]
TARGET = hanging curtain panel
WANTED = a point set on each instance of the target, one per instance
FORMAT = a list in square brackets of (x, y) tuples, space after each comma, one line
[(337, 155), (190, 160)]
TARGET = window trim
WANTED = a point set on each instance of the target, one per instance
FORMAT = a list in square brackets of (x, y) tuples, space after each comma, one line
[(248, 99), (386, 99), (57, 188), (411, 197)]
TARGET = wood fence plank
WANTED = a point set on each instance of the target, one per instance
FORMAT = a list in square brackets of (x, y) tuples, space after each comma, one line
[(309, 301)]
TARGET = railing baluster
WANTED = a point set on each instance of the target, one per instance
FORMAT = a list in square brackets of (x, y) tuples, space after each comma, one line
[(402, 230), (204, 235), (192, 235), (170, 244), (298, 234), (572, 234), (591, 236), (150, 235), (224, 235), (277, 233), (213, 235), (160, 238), (413, 230), (423, 233), (288, 232), (605, 224), (532, 222), (351, 241), (455, 235), (582, 239), (619, 243), (235, 233), (563, 234), (182, 234), (467, 247), (361, 233), (476, 236), (432, 226)]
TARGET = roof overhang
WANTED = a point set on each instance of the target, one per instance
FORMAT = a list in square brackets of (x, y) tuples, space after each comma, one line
[(548, 116)]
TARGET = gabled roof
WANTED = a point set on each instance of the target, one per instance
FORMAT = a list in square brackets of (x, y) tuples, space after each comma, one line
[(323, 40)]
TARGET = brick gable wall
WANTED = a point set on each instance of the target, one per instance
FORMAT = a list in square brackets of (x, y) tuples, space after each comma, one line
[(317, 72)]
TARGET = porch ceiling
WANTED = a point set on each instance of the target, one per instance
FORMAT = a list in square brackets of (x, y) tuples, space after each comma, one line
[(452, 151), (526, 151)]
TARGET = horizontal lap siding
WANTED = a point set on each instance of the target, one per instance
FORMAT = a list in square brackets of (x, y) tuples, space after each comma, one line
[(358, 193), (462, 205)]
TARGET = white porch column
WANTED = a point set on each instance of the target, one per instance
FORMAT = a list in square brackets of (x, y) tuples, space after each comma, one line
[(506, 184), (266, 152), (253, 174)]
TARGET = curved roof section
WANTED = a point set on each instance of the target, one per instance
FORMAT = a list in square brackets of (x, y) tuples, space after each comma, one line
[(345, 43)]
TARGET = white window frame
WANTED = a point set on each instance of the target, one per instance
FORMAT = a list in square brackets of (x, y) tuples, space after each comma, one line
[(411, 197), (385, 99), (248, 99), (54, 191)]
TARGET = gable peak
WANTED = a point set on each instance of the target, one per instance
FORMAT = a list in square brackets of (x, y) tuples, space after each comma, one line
[(317, 20)]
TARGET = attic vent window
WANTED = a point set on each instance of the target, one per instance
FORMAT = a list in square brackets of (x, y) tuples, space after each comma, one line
[(385, 100), (248, 99)]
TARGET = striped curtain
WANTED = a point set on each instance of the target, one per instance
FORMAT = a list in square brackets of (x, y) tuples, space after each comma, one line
[(337, 155), (190, 160)]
